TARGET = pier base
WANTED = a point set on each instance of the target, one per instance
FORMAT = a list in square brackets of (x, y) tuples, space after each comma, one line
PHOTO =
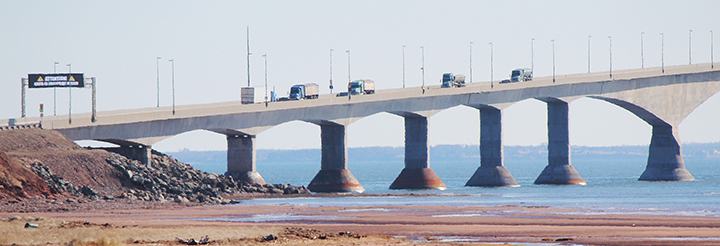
[(417, 178), (335, 181), (560, 175), (493, 176)]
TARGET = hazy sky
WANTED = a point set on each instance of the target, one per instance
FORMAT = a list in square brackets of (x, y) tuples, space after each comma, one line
[(118, 42)]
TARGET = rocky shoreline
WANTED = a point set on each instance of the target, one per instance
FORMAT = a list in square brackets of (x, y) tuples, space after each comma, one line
[(73, 178)]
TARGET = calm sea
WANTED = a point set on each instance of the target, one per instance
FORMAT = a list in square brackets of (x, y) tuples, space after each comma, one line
[(612, 187)]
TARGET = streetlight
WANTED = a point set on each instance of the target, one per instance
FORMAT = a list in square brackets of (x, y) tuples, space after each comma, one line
[(642, 51), (491, 65), (553, 48), (158, 80), (662, 51), (423, 68), (348, 52), (173, 83), (712, 63), (403, 66), (532, 54), (248, 57), (70, 95), (589, 53), (331, 85), (690, 47), (471, 43), (55, 91), (266, 88), (610, 37)]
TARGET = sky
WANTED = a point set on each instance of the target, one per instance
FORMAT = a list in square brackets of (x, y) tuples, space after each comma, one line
[(118, 42)]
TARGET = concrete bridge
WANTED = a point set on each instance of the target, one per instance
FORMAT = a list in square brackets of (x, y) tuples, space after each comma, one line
[(660, 98)]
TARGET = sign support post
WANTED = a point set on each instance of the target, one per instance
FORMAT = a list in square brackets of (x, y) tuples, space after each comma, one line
[(22, 96)]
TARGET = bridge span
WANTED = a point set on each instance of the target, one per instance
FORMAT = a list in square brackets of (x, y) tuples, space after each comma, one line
[(662, 99)]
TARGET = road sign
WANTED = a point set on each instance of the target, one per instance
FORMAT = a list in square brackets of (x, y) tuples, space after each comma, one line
[(56, 80)]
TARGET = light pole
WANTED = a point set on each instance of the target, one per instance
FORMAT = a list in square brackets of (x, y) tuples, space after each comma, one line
[(712, 63), (491, 65), (403, 66), (553, 49), (70, 95), (55, 91), (248, 57), (662, 51), (471, 43), (690, 47), (589, 53), (331, 85), (532, 54), (266, 88), (348, 52), (610, 38), (423, 68), (158, 80), (173, 83), (642, 51)]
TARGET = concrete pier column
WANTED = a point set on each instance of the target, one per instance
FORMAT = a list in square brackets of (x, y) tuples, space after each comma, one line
[(334, 175), (491, 172), (141, 153), (241, 158), (558, 170), (417, 173), (665, 161)]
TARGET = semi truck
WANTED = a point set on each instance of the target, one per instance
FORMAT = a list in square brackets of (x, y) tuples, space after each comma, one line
[(521, 75), (451, 80), (363, 86), (304, 91)]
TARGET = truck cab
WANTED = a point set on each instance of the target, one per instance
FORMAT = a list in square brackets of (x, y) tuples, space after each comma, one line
[(361, 87), (448, 80), (297, 92), (521, 75)]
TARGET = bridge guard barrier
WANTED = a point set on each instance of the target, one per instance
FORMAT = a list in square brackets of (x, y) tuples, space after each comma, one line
[(665, 161)]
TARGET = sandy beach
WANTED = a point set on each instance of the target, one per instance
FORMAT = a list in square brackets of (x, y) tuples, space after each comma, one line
[(377, 225)]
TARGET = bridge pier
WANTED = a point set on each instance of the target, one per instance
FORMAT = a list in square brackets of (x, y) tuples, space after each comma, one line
[(141, 153), (334, 175), (491, 172), (558, 170), (665, 161), (241, 157), (417, 173)]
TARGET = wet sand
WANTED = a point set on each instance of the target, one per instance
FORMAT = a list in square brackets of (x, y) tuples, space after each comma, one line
[(431, 224)]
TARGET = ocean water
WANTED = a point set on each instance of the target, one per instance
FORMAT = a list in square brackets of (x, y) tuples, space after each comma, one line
[(612, 187)]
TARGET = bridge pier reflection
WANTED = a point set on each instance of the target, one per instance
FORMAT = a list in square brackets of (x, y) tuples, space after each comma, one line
[(417, 173), (334, 175), (558, 170), (241, 157), (491, 172)]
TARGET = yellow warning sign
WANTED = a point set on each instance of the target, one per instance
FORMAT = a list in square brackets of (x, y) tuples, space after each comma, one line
[(40, 79), (71, 78)]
